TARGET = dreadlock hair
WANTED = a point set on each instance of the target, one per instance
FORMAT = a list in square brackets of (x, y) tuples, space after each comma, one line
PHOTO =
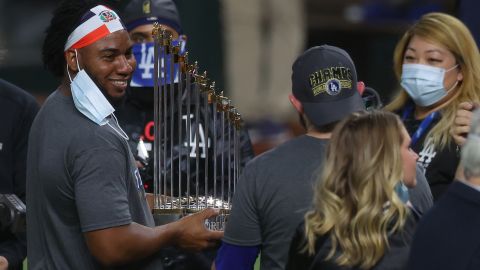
[(66, 17)]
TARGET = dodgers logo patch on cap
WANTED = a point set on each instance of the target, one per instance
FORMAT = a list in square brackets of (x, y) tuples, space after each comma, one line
[(333, 87), (330, 80), (324, 80)]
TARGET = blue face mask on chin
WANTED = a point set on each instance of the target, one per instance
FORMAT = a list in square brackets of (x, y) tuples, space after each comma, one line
[(402, 192), (424, 84), (143, 74), (88, 98), (91, 102)]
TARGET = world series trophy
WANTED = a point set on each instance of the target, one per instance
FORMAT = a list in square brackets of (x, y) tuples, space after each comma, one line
[(196, 139)]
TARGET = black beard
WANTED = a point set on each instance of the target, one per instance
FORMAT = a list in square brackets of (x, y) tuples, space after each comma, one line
[(116, 102)]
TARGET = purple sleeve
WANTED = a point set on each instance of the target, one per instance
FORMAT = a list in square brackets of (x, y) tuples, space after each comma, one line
[(234, 257)]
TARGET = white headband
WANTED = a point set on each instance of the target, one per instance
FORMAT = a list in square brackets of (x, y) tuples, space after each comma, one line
[(103, 21)]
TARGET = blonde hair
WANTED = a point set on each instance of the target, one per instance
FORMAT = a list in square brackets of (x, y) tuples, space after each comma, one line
[(355, 202), (448, 31)]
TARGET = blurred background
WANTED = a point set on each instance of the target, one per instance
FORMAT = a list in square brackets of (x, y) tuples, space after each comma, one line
[(367, 29)]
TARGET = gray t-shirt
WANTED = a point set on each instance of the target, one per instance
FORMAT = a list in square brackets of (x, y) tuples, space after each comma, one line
[(272, 196), (275, 191), (81, 177), (421, 195)]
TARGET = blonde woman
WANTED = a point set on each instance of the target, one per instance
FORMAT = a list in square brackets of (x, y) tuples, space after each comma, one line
[(438, 66), (361, 217)]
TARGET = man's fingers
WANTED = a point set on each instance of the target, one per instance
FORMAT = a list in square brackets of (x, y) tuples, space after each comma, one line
[(464, 113), (210, 212), (213, 244), (460, 130), (462, 121), (216, 235), (209, 240), (466, 105), (214, 238)]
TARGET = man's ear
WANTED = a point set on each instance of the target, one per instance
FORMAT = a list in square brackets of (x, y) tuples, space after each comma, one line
[(296, 103), (71, 59)]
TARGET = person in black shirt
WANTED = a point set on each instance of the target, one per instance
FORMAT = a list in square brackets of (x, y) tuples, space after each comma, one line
[(437, 63), (18, 109), (136, 115)]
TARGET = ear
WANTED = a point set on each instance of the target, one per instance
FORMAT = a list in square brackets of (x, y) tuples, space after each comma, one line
[(460, 74), (71, 59), (296, 103)]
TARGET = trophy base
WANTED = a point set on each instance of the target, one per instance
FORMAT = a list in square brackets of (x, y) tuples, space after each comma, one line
[(216, 223), (165, 216)]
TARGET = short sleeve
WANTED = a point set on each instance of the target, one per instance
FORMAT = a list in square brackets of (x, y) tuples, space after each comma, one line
[(243, 226), (100, 189)]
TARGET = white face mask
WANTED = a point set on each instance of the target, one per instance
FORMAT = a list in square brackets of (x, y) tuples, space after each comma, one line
[(88, 99), (424, 84)]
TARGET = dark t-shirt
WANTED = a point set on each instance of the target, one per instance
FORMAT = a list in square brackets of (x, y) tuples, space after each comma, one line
[(420, 195), (81, 177), (17, 111), (273, 193), (447, 237), (276, 190), (440, 164)]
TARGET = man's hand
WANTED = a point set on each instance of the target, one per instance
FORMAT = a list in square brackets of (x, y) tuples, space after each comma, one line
[(3, 263), (462, 122), (192, 233)]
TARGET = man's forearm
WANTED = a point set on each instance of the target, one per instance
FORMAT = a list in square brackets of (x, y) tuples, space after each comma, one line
[(128, 243), (125, 244)]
